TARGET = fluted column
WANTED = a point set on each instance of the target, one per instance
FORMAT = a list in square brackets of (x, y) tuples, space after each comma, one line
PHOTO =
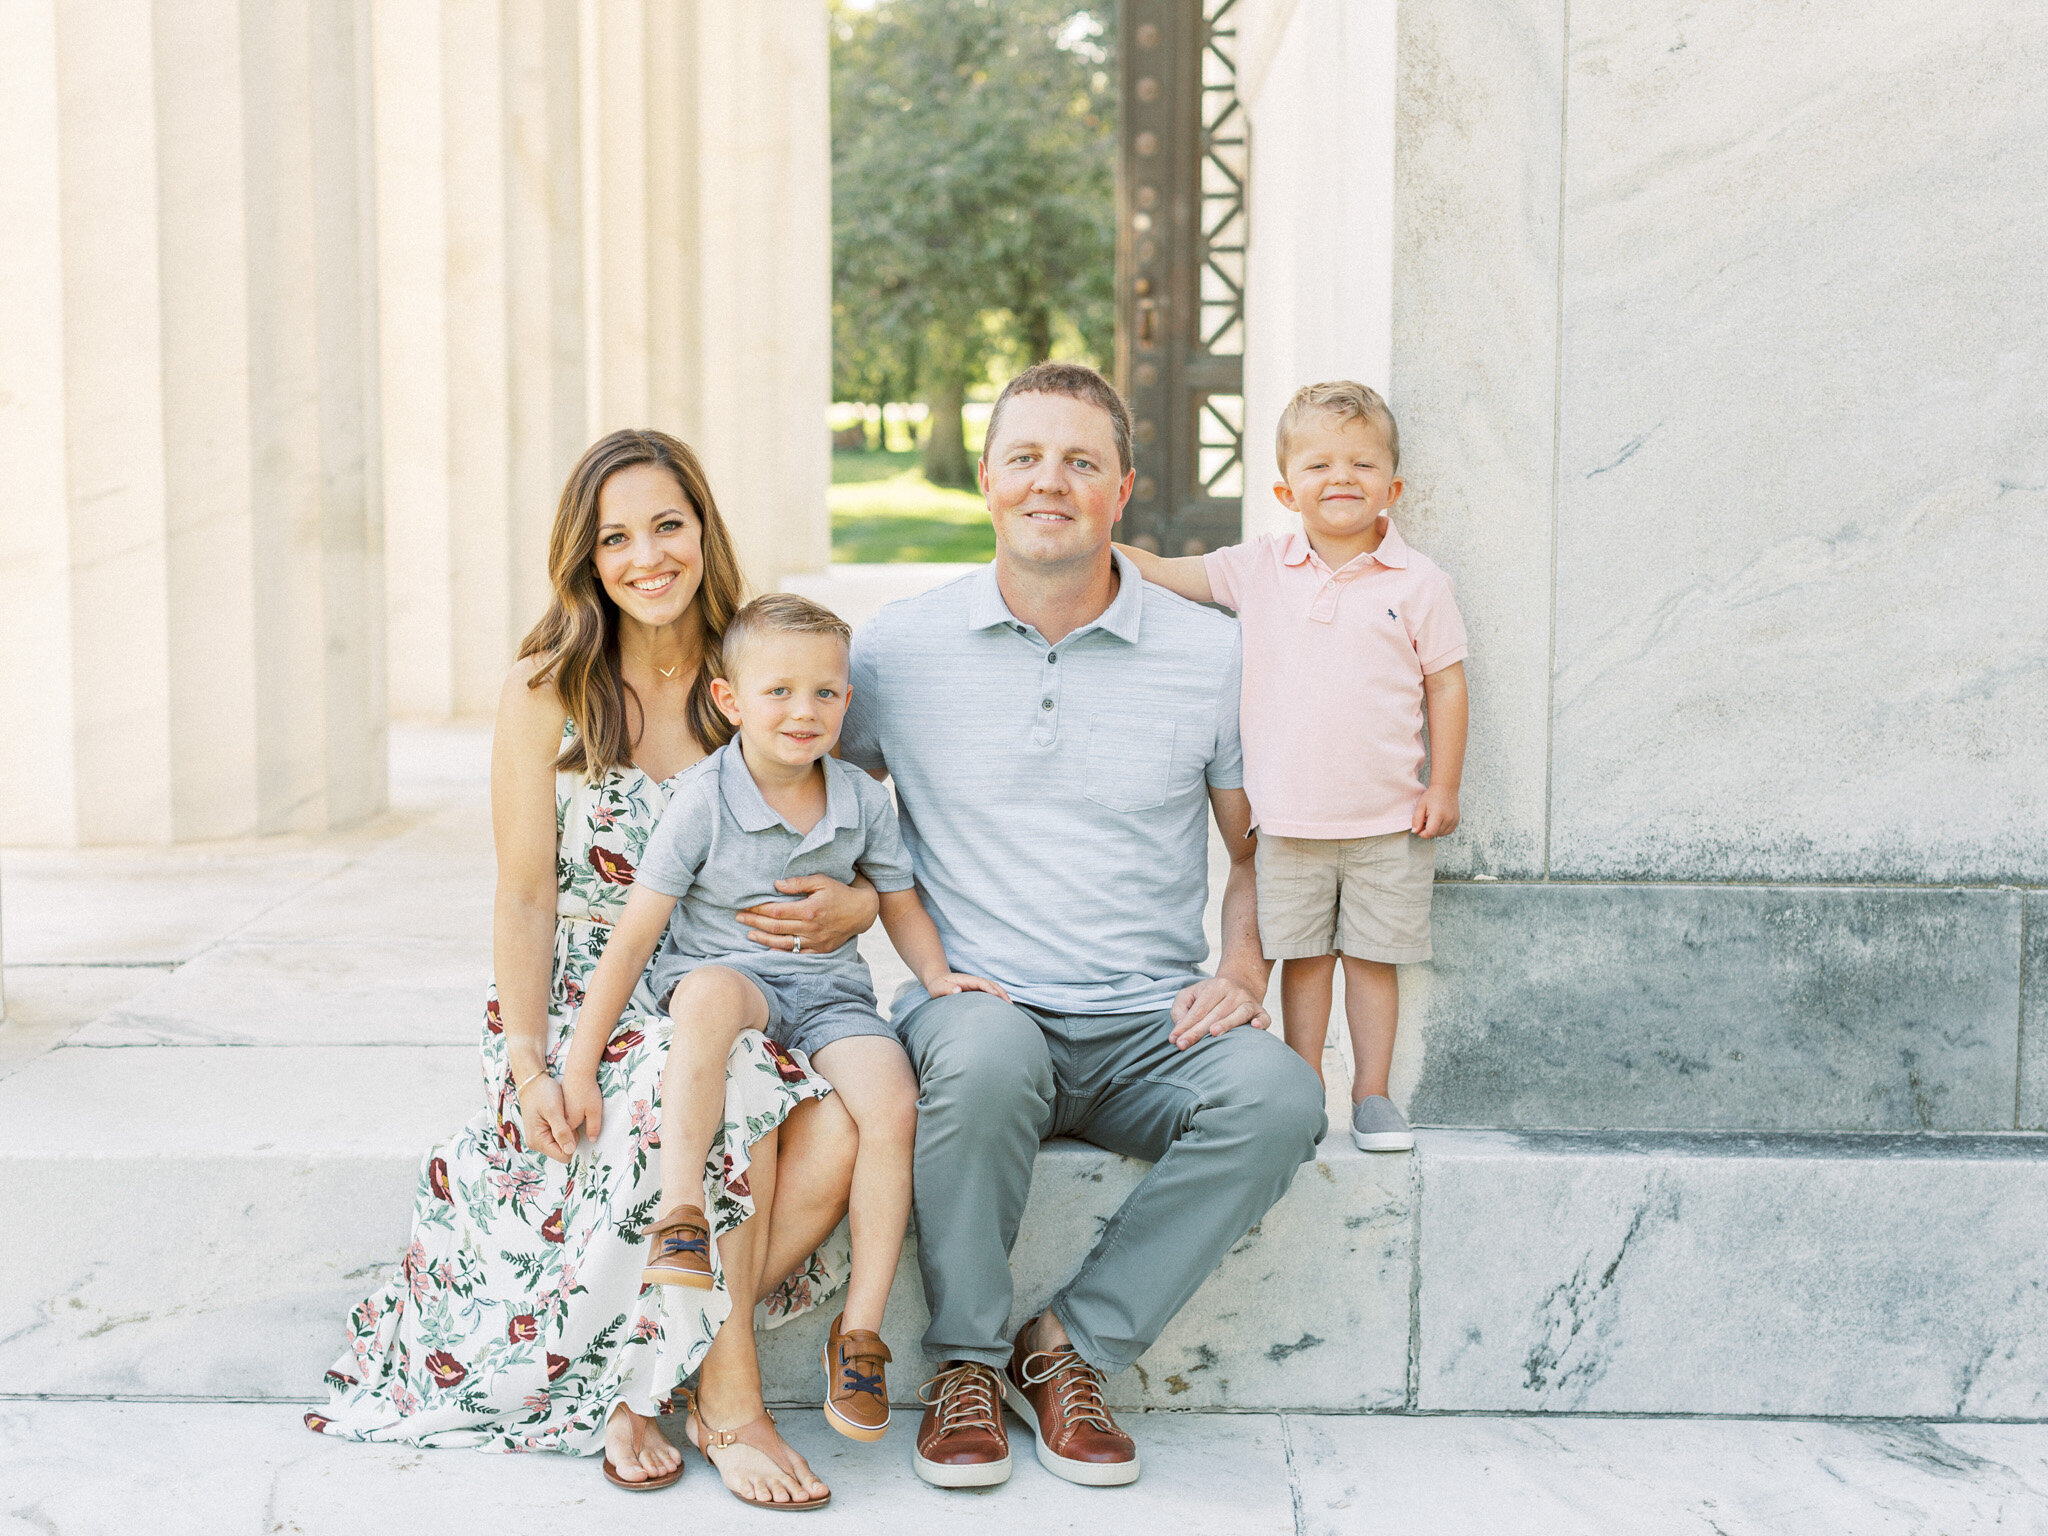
[(190, 562), (593, 215)]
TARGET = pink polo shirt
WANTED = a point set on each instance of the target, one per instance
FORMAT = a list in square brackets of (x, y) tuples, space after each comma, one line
[(1332, 707)]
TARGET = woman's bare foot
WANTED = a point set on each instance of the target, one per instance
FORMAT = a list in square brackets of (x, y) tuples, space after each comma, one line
[(761, 1465), (636, 1447)]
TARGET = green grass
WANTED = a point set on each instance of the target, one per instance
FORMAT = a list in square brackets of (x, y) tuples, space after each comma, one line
[(885, 511)]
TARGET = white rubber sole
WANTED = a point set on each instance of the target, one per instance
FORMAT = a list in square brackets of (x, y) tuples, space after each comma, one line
[(1089, 1474), (986, 1475), (1383, 1141)]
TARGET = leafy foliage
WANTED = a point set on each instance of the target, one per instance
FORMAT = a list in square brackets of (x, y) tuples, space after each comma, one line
[(973, 194)]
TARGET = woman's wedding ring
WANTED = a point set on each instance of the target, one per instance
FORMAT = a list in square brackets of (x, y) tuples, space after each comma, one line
[(796, 944)]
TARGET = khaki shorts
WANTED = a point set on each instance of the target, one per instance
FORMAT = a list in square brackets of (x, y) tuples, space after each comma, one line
[(1367, 897)]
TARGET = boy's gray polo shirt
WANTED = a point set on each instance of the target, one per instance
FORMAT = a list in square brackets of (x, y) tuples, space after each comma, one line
[(719, 847), (1055, 798)]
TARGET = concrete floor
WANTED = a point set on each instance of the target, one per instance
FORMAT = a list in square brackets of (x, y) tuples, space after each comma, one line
[(107, 949)]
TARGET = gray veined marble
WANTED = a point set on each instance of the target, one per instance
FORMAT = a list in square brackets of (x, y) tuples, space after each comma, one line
[(1562, 1476), (1309, 1310), (1479, 128), (1802, 482), (2033, 1095), (1663, 1272), (1697, 1006)]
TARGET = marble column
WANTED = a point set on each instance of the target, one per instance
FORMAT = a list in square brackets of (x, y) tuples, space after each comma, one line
[(591, 216), (478, 264), (190, 531), (707, 244)]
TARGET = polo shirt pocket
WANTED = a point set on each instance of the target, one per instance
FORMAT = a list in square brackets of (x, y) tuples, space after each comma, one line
[(1128, 762)]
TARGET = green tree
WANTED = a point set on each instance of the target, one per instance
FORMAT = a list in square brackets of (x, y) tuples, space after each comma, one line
[(973, 197)]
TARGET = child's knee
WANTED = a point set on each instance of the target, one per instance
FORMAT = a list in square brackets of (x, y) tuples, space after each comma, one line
[(884, 1114), (713, 1004)]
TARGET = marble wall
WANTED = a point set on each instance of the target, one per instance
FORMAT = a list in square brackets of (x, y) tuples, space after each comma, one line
[(1715, 350), (1715, 343)]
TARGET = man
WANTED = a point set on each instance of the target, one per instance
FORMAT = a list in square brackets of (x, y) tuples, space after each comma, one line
[(1056, 729)]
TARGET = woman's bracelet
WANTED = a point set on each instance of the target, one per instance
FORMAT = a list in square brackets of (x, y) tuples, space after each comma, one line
[(539, 1071)]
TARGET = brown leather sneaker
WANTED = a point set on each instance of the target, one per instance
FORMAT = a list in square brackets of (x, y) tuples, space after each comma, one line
[(1059, 1395), (961, 1442), (856, 1388), (679, 1249)]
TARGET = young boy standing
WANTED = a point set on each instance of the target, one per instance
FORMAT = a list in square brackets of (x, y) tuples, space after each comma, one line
[(1350, 637)]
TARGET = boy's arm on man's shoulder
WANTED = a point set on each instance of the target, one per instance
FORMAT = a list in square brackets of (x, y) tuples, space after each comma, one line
[(1184, 575)]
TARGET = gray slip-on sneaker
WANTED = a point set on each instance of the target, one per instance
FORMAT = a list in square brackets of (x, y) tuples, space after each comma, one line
[(1376, 1126)]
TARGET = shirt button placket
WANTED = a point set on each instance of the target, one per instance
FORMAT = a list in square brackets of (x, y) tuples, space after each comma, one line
[(1047, 725)]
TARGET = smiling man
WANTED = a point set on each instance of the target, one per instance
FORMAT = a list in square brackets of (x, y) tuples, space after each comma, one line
[(1059, 733)]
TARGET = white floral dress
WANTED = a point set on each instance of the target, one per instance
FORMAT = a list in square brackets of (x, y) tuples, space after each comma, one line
[(517, 1319)]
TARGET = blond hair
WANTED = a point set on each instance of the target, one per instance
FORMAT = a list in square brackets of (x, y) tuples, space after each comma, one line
[(778, 613), (1347, 401)]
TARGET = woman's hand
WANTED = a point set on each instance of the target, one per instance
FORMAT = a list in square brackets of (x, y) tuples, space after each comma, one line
[(826, 916), (583, 1104), (544, 1121)]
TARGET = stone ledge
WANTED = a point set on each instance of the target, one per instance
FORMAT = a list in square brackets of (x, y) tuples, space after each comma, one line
[(1742, 1007), (205, 1229), (204, 1233), (1843, 1275)]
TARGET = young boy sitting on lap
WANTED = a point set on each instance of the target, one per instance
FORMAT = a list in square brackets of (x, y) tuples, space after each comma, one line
[(770, 804), (1349, 635)]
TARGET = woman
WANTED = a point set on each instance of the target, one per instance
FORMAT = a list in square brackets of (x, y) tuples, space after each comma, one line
[(518, 1321)]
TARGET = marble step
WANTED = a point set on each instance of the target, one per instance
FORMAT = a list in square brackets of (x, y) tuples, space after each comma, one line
[(1204, 1475), (201, 1227)]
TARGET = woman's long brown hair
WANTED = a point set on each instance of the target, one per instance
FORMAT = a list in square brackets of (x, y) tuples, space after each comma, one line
[(577, 639)]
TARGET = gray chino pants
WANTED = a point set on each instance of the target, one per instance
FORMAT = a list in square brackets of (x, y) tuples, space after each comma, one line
[(1225, 1124)]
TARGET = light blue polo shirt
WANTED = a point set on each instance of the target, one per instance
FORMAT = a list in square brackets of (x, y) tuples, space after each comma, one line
[(720, 846), (1054, 798)]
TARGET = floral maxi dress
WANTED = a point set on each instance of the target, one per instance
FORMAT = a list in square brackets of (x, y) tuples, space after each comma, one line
[(517, 1319)]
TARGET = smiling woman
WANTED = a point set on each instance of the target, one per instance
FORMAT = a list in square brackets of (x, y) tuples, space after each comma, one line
[(519, 1321), (594, 550)]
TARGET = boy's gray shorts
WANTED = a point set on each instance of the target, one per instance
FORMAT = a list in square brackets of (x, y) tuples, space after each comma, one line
[(807, 1008)]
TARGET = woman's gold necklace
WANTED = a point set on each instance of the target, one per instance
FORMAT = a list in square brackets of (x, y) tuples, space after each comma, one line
[(668, 671)]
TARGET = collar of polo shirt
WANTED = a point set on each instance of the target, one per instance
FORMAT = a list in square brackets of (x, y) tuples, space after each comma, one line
[(743, 800), (986, 608), (1392, 553)]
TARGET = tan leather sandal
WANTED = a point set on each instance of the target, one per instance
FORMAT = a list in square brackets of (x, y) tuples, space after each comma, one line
[(646, 1484), (721, 1439)]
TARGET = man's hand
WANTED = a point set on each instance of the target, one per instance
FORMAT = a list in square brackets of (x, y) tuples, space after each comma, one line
[(1436, 813), (1212, 1007), (826, 916)]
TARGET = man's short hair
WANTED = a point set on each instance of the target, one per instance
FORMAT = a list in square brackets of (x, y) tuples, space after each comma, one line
[(778, 613), (1076, 381), (1347, 401)]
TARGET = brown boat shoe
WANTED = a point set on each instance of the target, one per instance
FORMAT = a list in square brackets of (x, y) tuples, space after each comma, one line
[(961, 1442), (856, 1386), (1059, 1395), (679, 1249)]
